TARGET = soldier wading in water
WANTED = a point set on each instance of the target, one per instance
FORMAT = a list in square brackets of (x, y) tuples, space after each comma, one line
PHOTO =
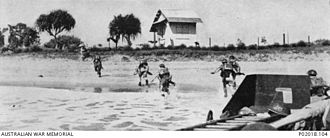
[(165, 79), (228, 69), (143, 71)]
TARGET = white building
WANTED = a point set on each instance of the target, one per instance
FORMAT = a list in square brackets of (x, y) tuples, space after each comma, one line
[(175, 27)]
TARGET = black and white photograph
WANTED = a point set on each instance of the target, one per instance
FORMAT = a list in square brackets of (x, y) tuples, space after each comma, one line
[(164, 65)]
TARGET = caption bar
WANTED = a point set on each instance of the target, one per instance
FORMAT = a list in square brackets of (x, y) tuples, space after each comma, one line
[(35, 133)]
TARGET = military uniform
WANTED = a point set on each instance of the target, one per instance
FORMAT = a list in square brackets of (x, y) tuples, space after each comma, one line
[(98, 65), (318, 86), (165, 78), (225, 71), (314, 116), (143, 70), (84, 52)]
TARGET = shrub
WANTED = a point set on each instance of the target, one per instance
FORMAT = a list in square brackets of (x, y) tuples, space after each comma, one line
[(293, 45), (215, 48), (241, 46), (70, 43), (145, 46), (182, 46), (17, 50), (322, 42), (99, 49), (50, 44), (253, 46), (4, 49), (326, 43), (137, 49), (301, 44), (34, 48), (194, 48), (276, 44), (230, 47), (126, 48), (170, 47)]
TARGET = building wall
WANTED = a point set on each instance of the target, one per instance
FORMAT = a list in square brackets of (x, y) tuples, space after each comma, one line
[(178, 33)]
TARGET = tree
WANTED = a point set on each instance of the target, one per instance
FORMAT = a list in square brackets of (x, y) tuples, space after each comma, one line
[(132, 28), (55, 22), (127, 27), (115, 28), (240, 44), (264, 40), (22, 35), (2, 36)]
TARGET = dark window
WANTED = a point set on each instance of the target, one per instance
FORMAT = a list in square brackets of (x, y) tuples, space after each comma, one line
[(183, 28)]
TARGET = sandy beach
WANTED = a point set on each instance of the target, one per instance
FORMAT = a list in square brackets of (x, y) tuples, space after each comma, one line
[(63, 94)]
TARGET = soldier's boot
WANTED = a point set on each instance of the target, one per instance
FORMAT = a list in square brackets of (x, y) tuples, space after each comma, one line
[(209, 116), (147, 82), (140, 83)]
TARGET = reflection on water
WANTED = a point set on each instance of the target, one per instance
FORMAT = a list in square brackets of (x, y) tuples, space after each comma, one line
[(97, 90)]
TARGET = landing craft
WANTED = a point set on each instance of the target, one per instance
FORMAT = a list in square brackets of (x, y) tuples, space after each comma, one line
[(257, 93)]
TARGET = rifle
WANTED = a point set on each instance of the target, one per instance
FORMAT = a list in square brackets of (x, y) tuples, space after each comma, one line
[(240, 73), (154, 79)]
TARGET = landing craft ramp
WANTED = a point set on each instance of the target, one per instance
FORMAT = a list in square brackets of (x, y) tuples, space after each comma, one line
[(229, 124), (258, 91)]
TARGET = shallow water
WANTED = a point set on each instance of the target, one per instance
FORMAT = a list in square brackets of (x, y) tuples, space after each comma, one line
[(27, 108), (114, 101)]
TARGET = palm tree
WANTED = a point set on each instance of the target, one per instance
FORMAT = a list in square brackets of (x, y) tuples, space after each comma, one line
[(127, 27), (132, 28)]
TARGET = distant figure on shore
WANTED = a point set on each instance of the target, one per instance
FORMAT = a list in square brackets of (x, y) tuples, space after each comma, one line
[(97, 65), (84, 52), (226, 70), (319, 87), (165, 79), (143, 71)]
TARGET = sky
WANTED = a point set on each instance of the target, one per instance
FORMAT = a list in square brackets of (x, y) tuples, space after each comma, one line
[(224, 21)]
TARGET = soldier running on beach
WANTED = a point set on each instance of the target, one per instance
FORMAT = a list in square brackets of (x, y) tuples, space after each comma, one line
[(84, 52), (226, 70), (235, 67), (143, 71), (98, 65)]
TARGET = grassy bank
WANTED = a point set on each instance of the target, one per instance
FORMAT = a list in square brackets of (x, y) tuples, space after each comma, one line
[(187, 54)]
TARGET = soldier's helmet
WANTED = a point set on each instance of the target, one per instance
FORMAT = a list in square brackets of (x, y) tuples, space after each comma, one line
[(232, 58), (98, 57), (144, 61), (312, 72), (81, 45), (162, 65), (279, 108), (224, 61)]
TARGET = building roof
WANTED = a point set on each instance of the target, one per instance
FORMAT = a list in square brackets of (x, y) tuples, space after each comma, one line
[(175, 15)]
